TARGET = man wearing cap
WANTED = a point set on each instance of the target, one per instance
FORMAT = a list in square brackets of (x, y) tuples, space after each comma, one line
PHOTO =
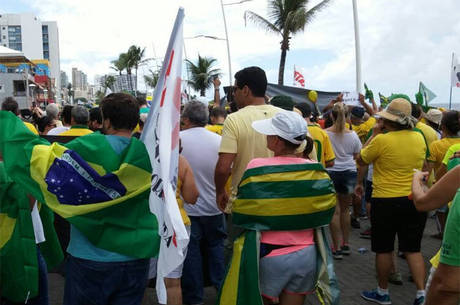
[(433, 119), (428, 132), (392, 212)]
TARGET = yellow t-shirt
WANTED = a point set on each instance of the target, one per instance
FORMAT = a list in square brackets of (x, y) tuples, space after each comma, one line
[(238, 137), (450, 152), (438, 150), (428, 132), (215, 128), (31, 127), (324, 149), (180, 203), (363, 129), (76, 131), (395, 155)]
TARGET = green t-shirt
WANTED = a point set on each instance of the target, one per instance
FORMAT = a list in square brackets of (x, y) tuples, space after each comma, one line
[(450, 248)]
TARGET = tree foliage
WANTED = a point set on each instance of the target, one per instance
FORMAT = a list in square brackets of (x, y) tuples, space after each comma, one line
[(202, 73)]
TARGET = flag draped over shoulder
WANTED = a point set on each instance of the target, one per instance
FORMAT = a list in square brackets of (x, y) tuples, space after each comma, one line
[(18, 253), (161, 137), (103, 194), (279, 197)]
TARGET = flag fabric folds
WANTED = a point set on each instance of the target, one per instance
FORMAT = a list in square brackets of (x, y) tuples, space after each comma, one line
[(298, 78), (455, 72), (103, 194), (427, 94), (279, 197), (18, 253), (161, 138)]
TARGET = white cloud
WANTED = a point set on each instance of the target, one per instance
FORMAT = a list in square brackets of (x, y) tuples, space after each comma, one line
[(402, 42)]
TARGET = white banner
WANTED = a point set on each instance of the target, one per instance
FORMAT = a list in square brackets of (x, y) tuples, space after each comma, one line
[(161, 137), (351, 98), (455, 73)]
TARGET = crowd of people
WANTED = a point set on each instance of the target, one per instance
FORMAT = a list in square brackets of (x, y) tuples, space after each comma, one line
[(262, 165)]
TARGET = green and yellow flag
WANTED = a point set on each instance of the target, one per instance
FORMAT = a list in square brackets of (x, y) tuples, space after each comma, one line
[(18, 251), (103, 194), (279, 197)]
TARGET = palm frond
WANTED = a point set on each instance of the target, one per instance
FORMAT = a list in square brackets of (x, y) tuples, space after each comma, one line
[(311, 13), (296, 20), (260, 21)]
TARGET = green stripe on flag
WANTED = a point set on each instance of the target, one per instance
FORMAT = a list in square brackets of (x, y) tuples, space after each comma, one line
[(263, 170), (285, 189), (289, 223)]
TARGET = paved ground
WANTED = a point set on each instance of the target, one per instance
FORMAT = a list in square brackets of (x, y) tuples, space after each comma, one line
[(354, 273)]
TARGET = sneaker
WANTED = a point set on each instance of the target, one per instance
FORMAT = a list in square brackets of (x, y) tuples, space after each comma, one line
[(373, 296), (395, 278), (419, 300), (367, 234), (345, 250), (337, 254), (355, 223)]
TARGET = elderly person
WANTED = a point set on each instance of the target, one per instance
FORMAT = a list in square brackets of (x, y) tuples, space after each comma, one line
[(52, 111), (79, 122), (392, 211), (201, 149)]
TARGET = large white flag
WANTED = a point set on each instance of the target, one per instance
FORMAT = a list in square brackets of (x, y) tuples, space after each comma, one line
[(161, 137), (455, 73)]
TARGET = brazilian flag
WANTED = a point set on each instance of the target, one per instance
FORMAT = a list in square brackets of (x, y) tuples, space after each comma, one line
[(279, 197), (103, 194), (18, 253)]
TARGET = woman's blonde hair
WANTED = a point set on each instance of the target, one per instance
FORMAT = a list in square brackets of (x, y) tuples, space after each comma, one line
[(339, 111)]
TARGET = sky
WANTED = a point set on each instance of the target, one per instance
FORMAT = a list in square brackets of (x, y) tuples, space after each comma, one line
[(402, 42)]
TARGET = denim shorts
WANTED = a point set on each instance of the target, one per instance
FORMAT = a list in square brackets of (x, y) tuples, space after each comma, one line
[(293, 273), (344, 181)]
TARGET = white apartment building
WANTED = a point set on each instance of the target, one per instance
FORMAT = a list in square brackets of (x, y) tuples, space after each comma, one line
[(35, 38)]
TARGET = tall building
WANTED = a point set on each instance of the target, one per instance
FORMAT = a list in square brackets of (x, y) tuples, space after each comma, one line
[(36, 39), (64, 80), (79, 83)]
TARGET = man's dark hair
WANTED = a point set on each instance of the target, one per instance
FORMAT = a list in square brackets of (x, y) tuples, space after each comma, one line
[(80, 115), (450, 121), (254, 78), (95, 115), (121, 109), (141, 101), (196, 112), (416, 110), (43, 122), (218, 112), (305, 109), (66, 114), (10, 104)]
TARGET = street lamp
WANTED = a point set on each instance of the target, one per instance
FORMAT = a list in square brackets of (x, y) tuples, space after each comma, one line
[(230, 76)]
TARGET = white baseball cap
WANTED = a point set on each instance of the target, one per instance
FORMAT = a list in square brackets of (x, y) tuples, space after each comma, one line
[(288, 125)]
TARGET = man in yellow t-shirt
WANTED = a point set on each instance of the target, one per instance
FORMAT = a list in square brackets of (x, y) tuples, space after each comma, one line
[(392, 212), (428, 132), (240, 142), (79, 122), (323, 145)]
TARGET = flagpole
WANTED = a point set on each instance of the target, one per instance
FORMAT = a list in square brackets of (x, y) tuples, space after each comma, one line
[(357, 47), (293, 77), (451, 66)]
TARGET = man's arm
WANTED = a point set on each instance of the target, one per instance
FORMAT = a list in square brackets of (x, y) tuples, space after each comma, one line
[(365, 105), (216, 82), (445, 287), (439, 194), (362, 171), (221, 175)]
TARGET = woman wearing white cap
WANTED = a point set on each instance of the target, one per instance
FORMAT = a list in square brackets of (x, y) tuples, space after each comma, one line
[(288, 263)]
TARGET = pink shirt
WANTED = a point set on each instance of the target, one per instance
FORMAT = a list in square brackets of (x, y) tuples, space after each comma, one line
[(295, 239)]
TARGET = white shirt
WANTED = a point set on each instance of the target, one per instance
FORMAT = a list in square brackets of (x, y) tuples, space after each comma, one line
[(201, 149), (57, 130), (345, 146)]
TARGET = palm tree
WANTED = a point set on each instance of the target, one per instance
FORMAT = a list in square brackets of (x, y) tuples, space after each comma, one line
[(202, 73), (152, 80), (135, 58), (286, 18), (119, 64), (108, 82)]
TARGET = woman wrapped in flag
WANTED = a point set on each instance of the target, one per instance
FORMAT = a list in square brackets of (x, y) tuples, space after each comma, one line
[(281, 257)]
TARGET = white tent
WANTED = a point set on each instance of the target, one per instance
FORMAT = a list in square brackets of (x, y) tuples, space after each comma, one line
[(7, 52)]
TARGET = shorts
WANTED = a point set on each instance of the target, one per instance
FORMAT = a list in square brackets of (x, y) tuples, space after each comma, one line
[(368, 191), (344, 181), (391, 216), (176, 273), (293, 273)]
